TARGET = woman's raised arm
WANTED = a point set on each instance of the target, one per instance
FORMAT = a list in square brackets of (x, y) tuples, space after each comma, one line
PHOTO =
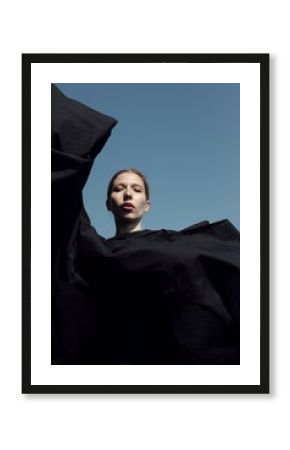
[(78, 134)]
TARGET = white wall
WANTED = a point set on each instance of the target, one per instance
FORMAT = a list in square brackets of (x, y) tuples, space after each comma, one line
[(141, 422)]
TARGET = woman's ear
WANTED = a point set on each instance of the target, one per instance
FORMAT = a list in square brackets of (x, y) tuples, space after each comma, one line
[(147, 206)]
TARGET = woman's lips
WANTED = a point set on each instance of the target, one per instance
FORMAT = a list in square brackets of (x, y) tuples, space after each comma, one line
[(127, 206)]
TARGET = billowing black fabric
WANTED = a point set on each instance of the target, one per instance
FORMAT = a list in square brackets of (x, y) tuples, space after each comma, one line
[(148, 297)]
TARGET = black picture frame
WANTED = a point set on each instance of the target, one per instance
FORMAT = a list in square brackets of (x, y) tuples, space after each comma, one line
[(263, 61)]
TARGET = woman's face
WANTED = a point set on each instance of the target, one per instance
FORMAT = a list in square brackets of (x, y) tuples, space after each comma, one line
[(127, 200)]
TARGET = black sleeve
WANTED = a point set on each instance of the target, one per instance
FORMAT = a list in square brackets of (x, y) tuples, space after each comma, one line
[(78, 134)]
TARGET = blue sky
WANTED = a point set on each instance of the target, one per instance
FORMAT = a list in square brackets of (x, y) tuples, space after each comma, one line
[(184, 137)]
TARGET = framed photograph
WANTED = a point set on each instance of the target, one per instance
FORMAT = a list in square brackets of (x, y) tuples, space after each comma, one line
[(145, 223)]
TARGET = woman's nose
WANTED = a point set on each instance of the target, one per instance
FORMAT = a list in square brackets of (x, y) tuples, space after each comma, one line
[(128, 193)]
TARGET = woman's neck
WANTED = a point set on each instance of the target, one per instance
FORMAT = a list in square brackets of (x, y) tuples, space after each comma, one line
[(126, 227)]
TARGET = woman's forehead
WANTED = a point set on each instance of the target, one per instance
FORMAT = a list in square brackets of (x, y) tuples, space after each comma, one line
[(128, 178)]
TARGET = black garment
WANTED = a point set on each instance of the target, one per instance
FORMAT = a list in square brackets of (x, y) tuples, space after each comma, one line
[(148, 297)]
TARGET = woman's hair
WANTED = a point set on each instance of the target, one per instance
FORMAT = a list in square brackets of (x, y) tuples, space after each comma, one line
[(137, 172)]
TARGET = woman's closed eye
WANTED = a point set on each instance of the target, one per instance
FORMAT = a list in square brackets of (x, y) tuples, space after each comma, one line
[(121, 187), (118, 188)]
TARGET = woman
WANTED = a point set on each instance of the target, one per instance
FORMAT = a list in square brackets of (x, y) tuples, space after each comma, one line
[(128, 199), (143, 296)]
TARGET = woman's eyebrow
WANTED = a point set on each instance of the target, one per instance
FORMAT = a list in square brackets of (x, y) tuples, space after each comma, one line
[(124, 184)]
